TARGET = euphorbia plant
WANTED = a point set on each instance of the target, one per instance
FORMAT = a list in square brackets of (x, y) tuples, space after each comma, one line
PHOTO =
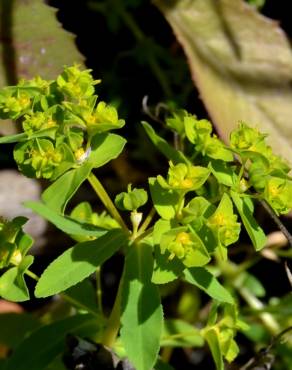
[(197, 209)]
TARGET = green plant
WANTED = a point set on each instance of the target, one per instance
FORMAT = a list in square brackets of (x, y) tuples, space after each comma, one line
[(197, 209)]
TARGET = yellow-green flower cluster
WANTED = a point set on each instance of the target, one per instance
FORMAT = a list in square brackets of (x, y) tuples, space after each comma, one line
[(38, 158), (186, 246), (58, 116), (225, 330), (76, 84), (183, 177), (224, 223), (38, 121), (267, 172), (13, 103), (199, 133)]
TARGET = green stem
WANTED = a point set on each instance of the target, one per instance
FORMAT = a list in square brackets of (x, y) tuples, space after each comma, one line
[(166, 353), (32, 275), (143, 235), (147, 221), (106, 200), (79, 304), (267, 319), (113, 325), (99, 290)]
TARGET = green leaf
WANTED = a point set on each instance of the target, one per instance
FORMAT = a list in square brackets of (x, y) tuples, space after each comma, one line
[(15, 326), (65, 223), (160, 227), (132, 199), (179, 333), (245, 209), (61, 191), (77, 263), (223, 172), (13, 138), (196, 212), (164, 270), (162, 145), (104, 148), (205, 281), (241, 63), (12, 283), (142, 315), (49, 341), (164, 200), (213, 342)]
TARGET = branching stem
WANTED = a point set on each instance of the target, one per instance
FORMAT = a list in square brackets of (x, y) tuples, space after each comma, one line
[(147, 221), (106, 200)]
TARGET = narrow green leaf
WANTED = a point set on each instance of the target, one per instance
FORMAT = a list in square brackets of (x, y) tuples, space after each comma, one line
[(12, 138), (49, 341), (245, 209), (205, 281), (213, 342), (104, 148), (179, 333), (162, 145), (142, 315), (23, 136), (65, 223), (61, 191), (78, 262), (164, 200)]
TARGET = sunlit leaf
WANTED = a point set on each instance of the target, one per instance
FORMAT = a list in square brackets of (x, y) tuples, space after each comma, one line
[(245, 209), (77, 263), (65, 223), (61, 191), (141, 309), (204, 280), (12, 284)]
